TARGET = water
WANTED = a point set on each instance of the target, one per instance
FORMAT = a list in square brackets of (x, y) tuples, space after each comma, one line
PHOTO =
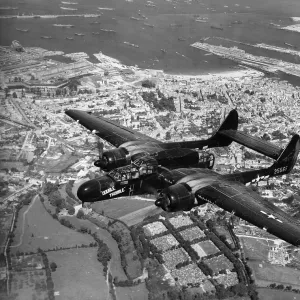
[(255, 28)]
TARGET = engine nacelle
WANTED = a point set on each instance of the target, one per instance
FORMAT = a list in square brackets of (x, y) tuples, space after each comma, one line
[(176, 198), (113, 159)]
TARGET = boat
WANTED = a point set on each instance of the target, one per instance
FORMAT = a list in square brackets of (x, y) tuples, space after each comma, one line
[(68, 2), (181, 39), (163, 50), (149, 25), (216, 27), (95, 22), (46, 37), (63, 25), (108, 30), (134, 18), (22, 30), (69, 38), (68, 8), (132, 45), (290, 45), (96, 33), (79, 34)]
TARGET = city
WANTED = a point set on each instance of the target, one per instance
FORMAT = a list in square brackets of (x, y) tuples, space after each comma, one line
[(144, 253)]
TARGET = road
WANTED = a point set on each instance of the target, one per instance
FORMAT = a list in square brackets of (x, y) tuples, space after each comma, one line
[(24, 219), (16, 192)]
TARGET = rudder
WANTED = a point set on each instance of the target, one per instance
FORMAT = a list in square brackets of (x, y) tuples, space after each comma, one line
[(287, 159)]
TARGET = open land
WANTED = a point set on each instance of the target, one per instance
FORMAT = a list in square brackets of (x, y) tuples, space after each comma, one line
[(56, 165), (120, 207), (28, 279), (40, 230), (79, 275), (269, 294), (267, 274), (5, 222), (255, 249)]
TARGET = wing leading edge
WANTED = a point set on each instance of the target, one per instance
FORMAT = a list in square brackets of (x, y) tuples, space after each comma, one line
[(106, 129), (235, 198)]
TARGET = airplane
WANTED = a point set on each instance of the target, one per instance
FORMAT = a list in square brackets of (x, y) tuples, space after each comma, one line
[(183, 188), (132, 144)]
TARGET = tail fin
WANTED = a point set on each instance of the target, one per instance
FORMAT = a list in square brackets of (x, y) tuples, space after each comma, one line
[(230, 123), (287, 159)]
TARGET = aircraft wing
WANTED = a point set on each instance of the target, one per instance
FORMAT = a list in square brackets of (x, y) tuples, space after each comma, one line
[(252, 142), (108, 130), (243, 202)]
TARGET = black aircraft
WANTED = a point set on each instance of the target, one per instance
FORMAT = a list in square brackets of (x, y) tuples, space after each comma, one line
[(188, 186)]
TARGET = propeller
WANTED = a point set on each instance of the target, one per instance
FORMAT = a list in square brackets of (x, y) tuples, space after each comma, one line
[(163, 202)]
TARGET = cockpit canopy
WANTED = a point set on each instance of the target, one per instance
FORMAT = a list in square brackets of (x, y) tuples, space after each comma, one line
[(140, 167)]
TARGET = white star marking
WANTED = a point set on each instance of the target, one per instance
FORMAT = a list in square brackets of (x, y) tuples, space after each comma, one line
[(271, 217)]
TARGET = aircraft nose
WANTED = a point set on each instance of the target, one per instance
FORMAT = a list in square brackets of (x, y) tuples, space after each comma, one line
[(89, 191)]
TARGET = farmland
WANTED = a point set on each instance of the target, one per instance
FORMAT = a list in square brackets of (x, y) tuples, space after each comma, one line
[(205, 248), (164, 242), (255, 249), (56, 165), (28, 279), (192, 233), (180, 221), (173, 257), (189, 274), (219, 263), (37, 229), (120, 207), (267, 274), (269, 294), (78, 275), (5, 222)]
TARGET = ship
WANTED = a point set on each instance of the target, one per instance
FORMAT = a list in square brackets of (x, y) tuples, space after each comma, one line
[(63, 25), (96, 33), (22, 30), (132, 45), (290, 45), (181, 39), (134, 18), (163, 50), (79, 34), (108, 30), (95, 22), (46, 37), (216, 27), (68, 8), (149, 25), (69, 38), (68, 2)]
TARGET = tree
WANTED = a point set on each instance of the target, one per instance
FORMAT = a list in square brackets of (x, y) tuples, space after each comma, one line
[(148, 84), (80, 214), (53, 266), (15, 95)]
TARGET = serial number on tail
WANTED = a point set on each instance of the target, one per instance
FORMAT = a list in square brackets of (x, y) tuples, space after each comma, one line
[(280, 170)]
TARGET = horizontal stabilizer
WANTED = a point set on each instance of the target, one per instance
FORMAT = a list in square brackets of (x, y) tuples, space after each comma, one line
[(252, 142)]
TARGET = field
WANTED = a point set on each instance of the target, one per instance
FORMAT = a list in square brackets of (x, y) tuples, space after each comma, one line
[(28, 278), (56, 165), (133, 265), (78, 275), (255, 249), (37, 229), (120, 207), (268, 294), (268, 274), (115, 264), (29, 285), (219, 263), (136, 292), (5, 222)]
